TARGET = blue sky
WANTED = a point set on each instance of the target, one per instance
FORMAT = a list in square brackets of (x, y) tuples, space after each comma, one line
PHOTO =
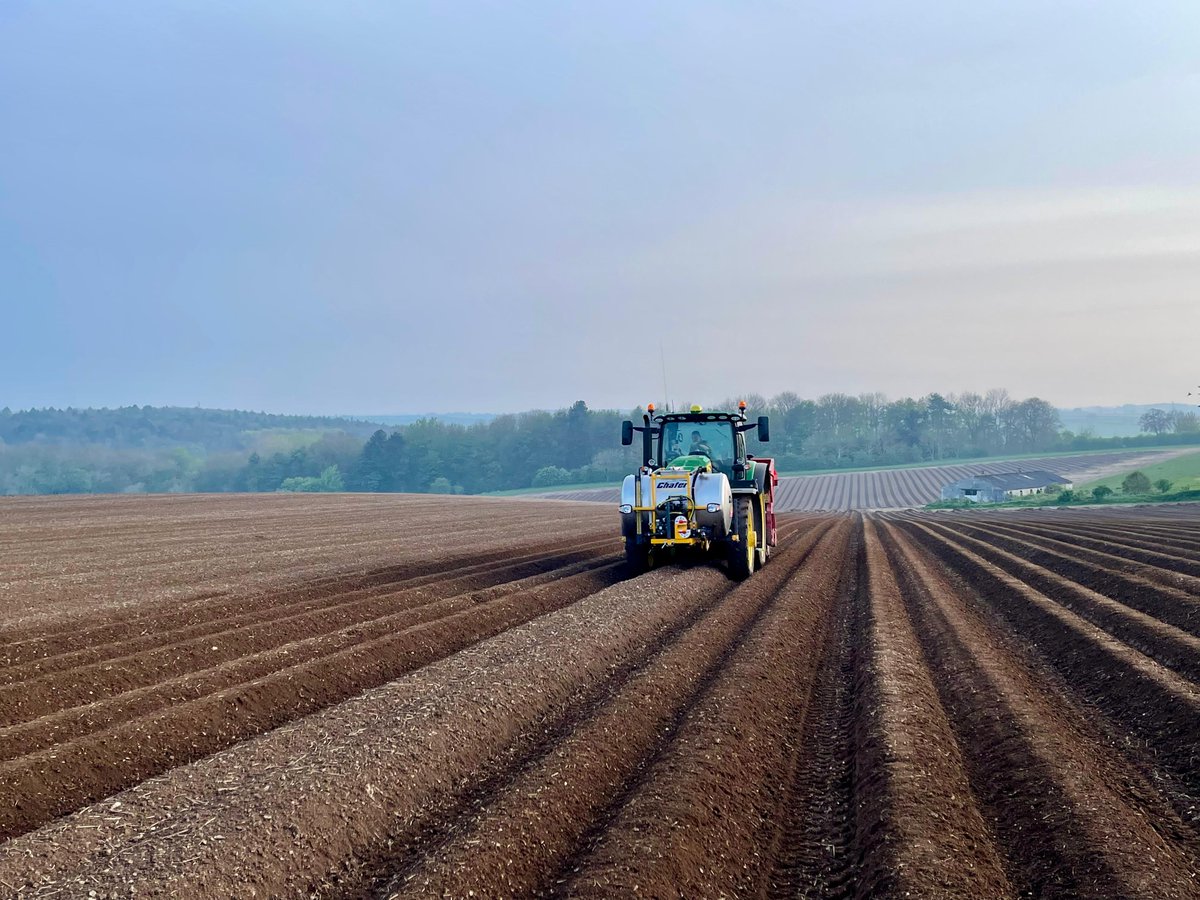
[(391, 207)]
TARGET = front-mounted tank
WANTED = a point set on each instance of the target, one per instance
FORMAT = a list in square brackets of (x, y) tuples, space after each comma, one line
[(698, 489), (706, 493)]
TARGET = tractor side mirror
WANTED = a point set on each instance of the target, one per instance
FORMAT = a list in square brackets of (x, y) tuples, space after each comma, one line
[(764, 429), (626, 433)]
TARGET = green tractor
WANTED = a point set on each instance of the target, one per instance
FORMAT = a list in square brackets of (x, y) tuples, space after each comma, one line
[(697, 488)]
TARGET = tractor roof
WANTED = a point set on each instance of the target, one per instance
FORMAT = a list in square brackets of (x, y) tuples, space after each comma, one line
[(700, 417)]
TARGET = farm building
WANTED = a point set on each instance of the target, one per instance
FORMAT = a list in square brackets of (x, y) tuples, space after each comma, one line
[(1002, 486)]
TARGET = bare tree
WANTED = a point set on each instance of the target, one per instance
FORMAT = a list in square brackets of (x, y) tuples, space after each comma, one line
[(1186, 422), (1157, 421)]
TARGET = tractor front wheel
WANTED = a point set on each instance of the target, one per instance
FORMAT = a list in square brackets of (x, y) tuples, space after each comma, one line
[(743, 553)]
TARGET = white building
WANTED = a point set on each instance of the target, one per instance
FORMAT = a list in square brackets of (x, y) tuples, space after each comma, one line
[(1003, 486)]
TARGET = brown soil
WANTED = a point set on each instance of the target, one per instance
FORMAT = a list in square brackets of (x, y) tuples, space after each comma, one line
[(218, 697)]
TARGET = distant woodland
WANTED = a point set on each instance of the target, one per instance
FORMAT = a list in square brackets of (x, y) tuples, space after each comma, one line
[(174, 449)]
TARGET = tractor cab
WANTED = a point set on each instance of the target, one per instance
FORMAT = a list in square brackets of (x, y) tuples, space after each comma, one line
[(689, 439)]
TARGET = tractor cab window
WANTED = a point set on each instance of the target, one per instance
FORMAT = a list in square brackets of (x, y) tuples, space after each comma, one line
[(711, 439)]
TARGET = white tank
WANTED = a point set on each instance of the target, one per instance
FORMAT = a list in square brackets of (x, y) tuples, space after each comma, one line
[(712, 488), (704, 489)]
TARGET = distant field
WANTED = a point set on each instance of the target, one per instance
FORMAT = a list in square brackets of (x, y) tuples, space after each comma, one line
[(1025, 459), (914, 487), (558, 489), (1182, 471)]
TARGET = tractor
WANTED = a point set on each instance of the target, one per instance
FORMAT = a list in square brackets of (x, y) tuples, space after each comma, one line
[(697, 489)]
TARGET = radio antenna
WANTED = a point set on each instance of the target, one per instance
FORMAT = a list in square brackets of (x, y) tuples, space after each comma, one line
[(662, 355)]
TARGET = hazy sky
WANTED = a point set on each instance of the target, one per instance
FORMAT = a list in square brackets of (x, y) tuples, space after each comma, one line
[(387, 207)]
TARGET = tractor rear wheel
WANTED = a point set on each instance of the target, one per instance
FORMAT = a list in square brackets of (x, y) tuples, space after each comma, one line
[(637, 556), (743, 553)]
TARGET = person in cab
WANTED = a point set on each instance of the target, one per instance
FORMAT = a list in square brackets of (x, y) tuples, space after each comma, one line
[(700, 446)]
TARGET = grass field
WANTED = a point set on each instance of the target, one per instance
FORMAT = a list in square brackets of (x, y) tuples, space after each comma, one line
[(1183, 472)]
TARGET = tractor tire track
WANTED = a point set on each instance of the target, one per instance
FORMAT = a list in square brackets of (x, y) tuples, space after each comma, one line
[(671, 834)]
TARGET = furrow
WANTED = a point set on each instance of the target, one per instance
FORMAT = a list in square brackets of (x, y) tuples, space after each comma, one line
[(919, 830), (810, 852), (1157, 711), (1172, 605), (692, 825), (1163, 574), (1072, 818), (74, 722), (57, 690), (356, 767), (541, 816), (1168, 645), (1116, 540), (60, 778), (29, 659)]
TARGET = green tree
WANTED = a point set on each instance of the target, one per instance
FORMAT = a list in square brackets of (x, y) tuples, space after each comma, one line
[(940, 418), (799, 421), (370, 472), (579, 446), (1135, 483), (441, 485), (329, 481), (1101, 491), (1032, 425), (252, 476), (1164, 485), (550, 476)]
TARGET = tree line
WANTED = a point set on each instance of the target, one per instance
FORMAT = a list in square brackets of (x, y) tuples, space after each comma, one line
[(158, 427), (531, 449), (581, 446)]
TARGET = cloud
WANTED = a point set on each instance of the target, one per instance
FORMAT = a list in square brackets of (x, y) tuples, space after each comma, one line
[(1019, 229)]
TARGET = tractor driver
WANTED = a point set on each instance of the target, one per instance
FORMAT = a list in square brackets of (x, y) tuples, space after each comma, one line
[(700, 446)]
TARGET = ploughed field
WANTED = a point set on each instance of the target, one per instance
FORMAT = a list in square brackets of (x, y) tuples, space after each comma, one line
[(917, 486), (350, 696)]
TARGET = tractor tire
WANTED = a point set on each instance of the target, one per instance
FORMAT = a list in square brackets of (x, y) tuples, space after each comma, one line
[(762, 476), (637, 556), (743, 553)]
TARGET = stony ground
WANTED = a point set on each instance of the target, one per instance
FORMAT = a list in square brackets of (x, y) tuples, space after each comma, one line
[(394, 697)]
